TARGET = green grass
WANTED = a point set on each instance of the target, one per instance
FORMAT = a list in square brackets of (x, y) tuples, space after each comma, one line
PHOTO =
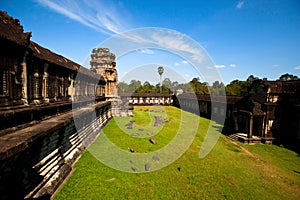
[(230, 171)]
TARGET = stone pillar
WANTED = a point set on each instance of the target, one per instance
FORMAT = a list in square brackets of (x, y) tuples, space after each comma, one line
[(45, 83), (264, 126), (24, 78), (250, 126), (5, 86), (36, 84)]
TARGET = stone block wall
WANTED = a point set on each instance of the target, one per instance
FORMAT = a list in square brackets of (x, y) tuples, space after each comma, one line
[(35, 160)]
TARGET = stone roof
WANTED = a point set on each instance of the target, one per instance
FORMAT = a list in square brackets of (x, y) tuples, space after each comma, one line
[(47, 55), (10, 29), (51, 57), (280, 87), (291, 87), (207, 97), (250, 105)]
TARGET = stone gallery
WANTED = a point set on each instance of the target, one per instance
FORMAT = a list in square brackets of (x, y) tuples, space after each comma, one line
[(52, 108), (40, 135)]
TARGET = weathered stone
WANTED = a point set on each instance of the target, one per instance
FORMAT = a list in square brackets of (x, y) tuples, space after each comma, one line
[(147, 166), (155, 158), (132, 150), (152, 141), (129, 126), (135, 134), (150, 133), (134, 169), (179, 168), (55, 140), (103, 62), (158, 121)]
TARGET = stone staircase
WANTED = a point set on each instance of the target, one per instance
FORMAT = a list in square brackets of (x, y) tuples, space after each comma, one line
[(234, 136)]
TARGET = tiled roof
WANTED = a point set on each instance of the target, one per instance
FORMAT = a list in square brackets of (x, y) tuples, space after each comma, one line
[(280, 87), (11, 30), (291, 87), (250, 105), (206, 97), (51, 57), (47, 55)]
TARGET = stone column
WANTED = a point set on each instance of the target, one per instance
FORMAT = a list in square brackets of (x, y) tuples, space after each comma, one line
[(45, 83), (250, 126), (264, 126), (24, 78), (36, 86)]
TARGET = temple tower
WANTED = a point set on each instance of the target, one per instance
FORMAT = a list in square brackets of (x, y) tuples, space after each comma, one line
[(103, 63)]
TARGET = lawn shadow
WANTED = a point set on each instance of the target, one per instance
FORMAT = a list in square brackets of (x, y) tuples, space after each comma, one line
[(225, 130), (297, 172)]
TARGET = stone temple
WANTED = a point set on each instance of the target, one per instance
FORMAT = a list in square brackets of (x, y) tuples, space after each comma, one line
[(103, 63), (48, 116)]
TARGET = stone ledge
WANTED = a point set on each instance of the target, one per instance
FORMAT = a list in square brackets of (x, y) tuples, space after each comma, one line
[(11, 144)]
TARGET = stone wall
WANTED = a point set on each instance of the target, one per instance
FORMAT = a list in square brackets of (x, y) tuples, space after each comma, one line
[(35, 160), (146, 98)]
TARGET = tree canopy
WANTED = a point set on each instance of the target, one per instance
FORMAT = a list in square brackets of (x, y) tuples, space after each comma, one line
[(195, 86)]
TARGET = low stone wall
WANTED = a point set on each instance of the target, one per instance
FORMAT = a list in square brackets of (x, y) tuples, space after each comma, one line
[(35, 160)]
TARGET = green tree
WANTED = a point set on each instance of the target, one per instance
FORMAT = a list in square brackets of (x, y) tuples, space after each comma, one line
[(146, 88), (237, 88), (217, 88), (134, 85), (123, 87), (198, 87), (288, 77), (160, 70), (251, 78), (167, 83)]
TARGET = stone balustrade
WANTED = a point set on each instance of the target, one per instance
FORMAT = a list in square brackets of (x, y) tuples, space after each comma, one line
[(35, 160)]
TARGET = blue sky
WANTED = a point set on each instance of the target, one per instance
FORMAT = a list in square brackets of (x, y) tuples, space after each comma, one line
[(241, 37)]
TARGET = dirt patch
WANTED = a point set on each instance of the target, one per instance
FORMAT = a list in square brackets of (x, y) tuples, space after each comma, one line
[(245, 150)]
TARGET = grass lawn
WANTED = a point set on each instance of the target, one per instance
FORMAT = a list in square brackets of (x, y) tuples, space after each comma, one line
[(230, 171)]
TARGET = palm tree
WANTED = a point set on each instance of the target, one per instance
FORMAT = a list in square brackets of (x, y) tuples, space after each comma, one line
[(160, 72)]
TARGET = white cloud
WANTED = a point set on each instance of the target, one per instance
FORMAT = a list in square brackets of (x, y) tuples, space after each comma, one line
[(178, 42), (219, 66), (93, 14), (177, 64), (187, 75), (185, 62), (297, 67), (166, 40), (232, 65), (240, 4), (146, 51), (275, 65)]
